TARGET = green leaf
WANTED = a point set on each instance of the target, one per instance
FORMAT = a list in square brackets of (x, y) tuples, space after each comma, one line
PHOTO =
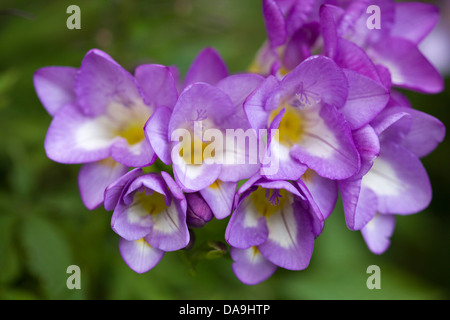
[(9, 260), (48, 256)]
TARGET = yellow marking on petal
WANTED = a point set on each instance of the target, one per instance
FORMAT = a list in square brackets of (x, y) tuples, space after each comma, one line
[(308, 175), (283, 71), (292, 127), (133, 133), (108, 162), (255, 67), (195, 152), (261, 200), (216, 185), (143, 242), (153, 203), (255, 250)]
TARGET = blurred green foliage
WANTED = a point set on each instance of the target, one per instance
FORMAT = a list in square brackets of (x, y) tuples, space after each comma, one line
[(44, 227)]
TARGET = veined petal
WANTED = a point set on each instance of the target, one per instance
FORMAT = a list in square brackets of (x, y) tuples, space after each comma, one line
[(424, 15), (201, 102), (100, 81), (131, 222), (254, 106), (377, 233), (75, 138), (326, 145), (95, 177), (317, 79), (157, 133), (351, 56), (399, 180), (139, 255), (249, 265), (275, 23), (408, 66), (169, 230), (139, 154), (366, 98), (324, 192), (238, 87), (290, 238), (360, 203), (207, 67), (246, 227), (278, 163), (54, 87), (115, 189), (219, 196), (158, 85), (145, 197), (425, 134)]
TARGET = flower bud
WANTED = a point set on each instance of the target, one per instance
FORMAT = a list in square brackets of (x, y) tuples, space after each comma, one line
[(198, 211)]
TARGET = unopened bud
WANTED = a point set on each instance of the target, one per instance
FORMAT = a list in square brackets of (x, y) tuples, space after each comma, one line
[(198, 211)]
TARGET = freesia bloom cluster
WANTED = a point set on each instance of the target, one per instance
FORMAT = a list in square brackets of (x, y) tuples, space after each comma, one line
[(318, 113)]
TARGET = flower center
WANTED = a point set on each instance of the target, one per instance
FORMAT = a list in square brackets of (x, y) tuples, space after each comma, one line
[(269, 201), (291, 128), (192, 151), (153, 203), (133, 133)]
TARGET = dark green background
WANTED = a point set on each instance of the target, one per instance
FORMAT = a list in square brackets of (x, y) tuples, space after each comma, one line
[(44, 227)]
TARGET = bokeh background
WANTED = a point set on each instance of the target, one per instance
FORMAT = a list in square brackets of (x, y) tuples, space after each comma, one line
[(44, 227)]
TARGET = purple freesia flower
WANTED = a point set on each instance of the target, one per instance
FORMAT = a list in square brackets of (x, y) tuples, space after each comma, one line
[(314, 108), (99, 112), (394, 180), (209, 100), (389, 53), (274, 224), (149, 215)]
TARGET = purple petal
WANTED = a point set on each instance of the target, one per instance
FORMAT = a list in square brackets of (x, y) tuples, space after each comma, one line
[(238, 87), (278, 163), (378, 231), (219, 196), (157, 133), (254, 106), (290, 238), (95, 177), (275, 23), (101, 81), (207, 67), (247, 227), (74, 138), (299, 15), (360, 204), (327, 145), (114, 191), (318, 78), (351, 56), (158, 85), (323, 191), (368, 145), (201, 102), (169, 230), (250, 267), (399, 180), (424, 15), (299, 46), (54, 87), (140, 154), (408, 66), (139, 255), (425, 134), (366, 98)]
